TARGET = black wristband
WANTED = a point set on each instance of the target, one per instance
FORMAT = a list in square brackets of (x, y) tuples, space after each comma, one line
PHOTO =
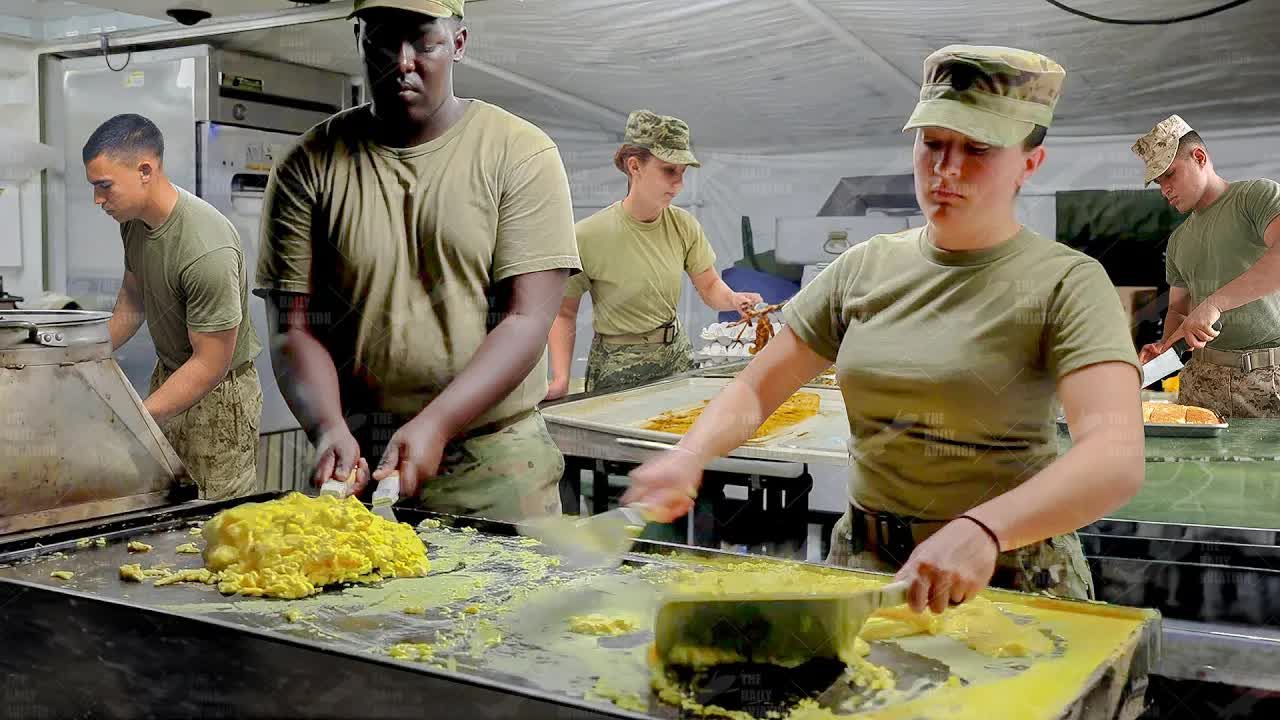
[(990, 533)]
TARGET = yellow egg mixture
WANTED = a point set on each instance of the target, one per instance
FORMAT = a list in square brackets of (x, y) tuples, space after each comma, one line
[(294, 546), (597, 624), (797, 408), (978, 624)]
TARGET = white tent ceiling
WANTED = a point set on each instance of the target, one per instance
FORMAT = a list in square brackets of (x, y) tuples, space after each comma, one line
[(805, 75)]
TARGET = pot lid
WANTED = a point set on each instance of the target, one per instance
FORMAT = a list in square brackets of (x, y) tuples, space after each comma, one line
[(49, 318), (52, 328)]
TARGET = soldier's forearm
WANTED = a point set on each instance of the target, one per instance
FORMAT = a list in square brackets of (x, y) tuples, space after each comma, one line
[(503, 361), (308, 381), (560, 344), (310, 386), (304, 370), (1257, 282), (185, 387), (126, 318), (1172, 321), (506, 357)]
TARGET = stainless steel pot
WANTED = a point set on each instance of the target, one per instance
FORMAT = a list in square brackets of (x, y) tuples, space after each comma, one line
[(75, 439)]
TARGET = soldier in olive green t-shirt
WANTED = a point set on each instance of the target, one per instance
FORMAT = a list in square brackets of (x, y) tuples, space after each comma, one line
[(1222, 263), (951, 344), (635, 254), (414, 252), (185, 276)]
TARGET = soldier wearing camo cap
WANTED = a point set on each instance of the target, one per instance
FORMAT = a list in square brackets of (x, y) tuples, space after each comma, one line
[(634, 256), (414, 251), (949, 343), (1222, 263)]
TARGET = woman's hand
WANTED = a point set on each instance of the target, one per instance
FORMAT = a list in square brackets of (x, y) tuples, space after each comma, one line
[(666, 485), (951, 567), (744, 302)]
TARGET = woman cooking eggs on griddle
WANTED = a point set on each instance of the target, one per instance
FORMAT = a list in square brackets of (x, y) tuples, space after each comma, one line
[(950, 342)]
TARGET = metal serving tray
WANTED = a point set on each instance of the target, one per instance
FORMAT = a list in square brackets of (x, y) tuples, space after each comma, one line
[(1172, 429)]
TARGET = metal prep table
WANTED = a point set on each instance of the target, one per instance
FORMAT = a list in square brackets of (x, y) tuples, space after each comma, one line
[(494, 608), (1200, 541), (599, 433)]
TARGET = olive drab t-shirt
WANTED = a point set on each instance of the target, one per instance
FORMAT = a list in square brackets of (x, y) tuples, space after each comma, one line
[(402, 249), (948, 361), (193, 277), (634, 270), (1216, 245)]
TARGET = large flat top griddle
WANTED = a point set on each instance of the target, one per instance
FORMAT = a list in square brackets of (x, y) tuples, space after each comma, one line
[(510, 650)]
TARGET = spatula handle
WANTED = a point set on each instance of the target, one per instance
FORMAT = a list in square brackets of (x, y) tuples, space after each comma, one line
[(336, 488), (894, 594), (388, 491), (339, 488)]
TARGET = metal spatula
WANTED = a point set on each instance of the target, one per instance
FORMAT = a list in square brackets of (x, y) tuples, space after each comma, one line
[(768, 627), (597, 541)]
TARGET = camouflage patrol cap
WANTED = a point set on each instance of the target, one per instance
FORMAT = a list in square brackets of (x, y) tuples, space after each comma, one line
[(1159, 147), (995, 95), (434, 8), (664, 136)]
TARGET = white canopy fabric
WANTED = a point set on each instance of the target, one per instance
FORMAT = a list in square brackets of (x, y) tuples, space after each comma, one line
[(788, 76), (786, 97)]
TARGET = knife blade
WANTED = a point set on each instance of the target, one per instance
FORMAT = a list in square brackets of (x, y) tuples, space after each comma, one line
[(1169, 361), (1164, 365)]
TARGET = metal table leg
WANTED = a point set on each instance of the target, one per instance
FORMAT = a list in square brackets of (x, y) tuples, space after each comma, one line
[(599, 487), (571, 486)]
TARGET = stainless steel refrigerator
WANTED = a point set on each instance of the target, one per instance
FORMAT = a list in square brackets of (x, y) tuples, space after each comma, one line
[(226, 119)]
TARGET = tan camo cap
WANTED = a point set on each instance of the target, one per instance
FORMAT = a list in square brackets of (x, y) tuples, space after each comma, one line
[(1158, 148), (434, 8)]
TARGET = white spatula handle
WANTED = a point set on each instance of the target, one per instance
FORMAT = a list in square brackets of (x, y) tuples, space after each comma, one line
[(893, 594), (388, 491), (336, 488)]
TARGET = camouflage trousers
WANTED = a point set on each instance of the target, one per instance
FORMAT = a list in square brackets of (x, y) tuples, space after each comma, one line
[(1055, 566), (618, 367), (217, 438), (508, 475), (1231, 392)]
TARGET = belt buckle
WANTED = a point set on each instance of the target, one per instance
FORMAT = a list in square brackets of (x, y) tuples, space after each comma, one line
[(1246, 361), (669, 333), (894, 540)]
